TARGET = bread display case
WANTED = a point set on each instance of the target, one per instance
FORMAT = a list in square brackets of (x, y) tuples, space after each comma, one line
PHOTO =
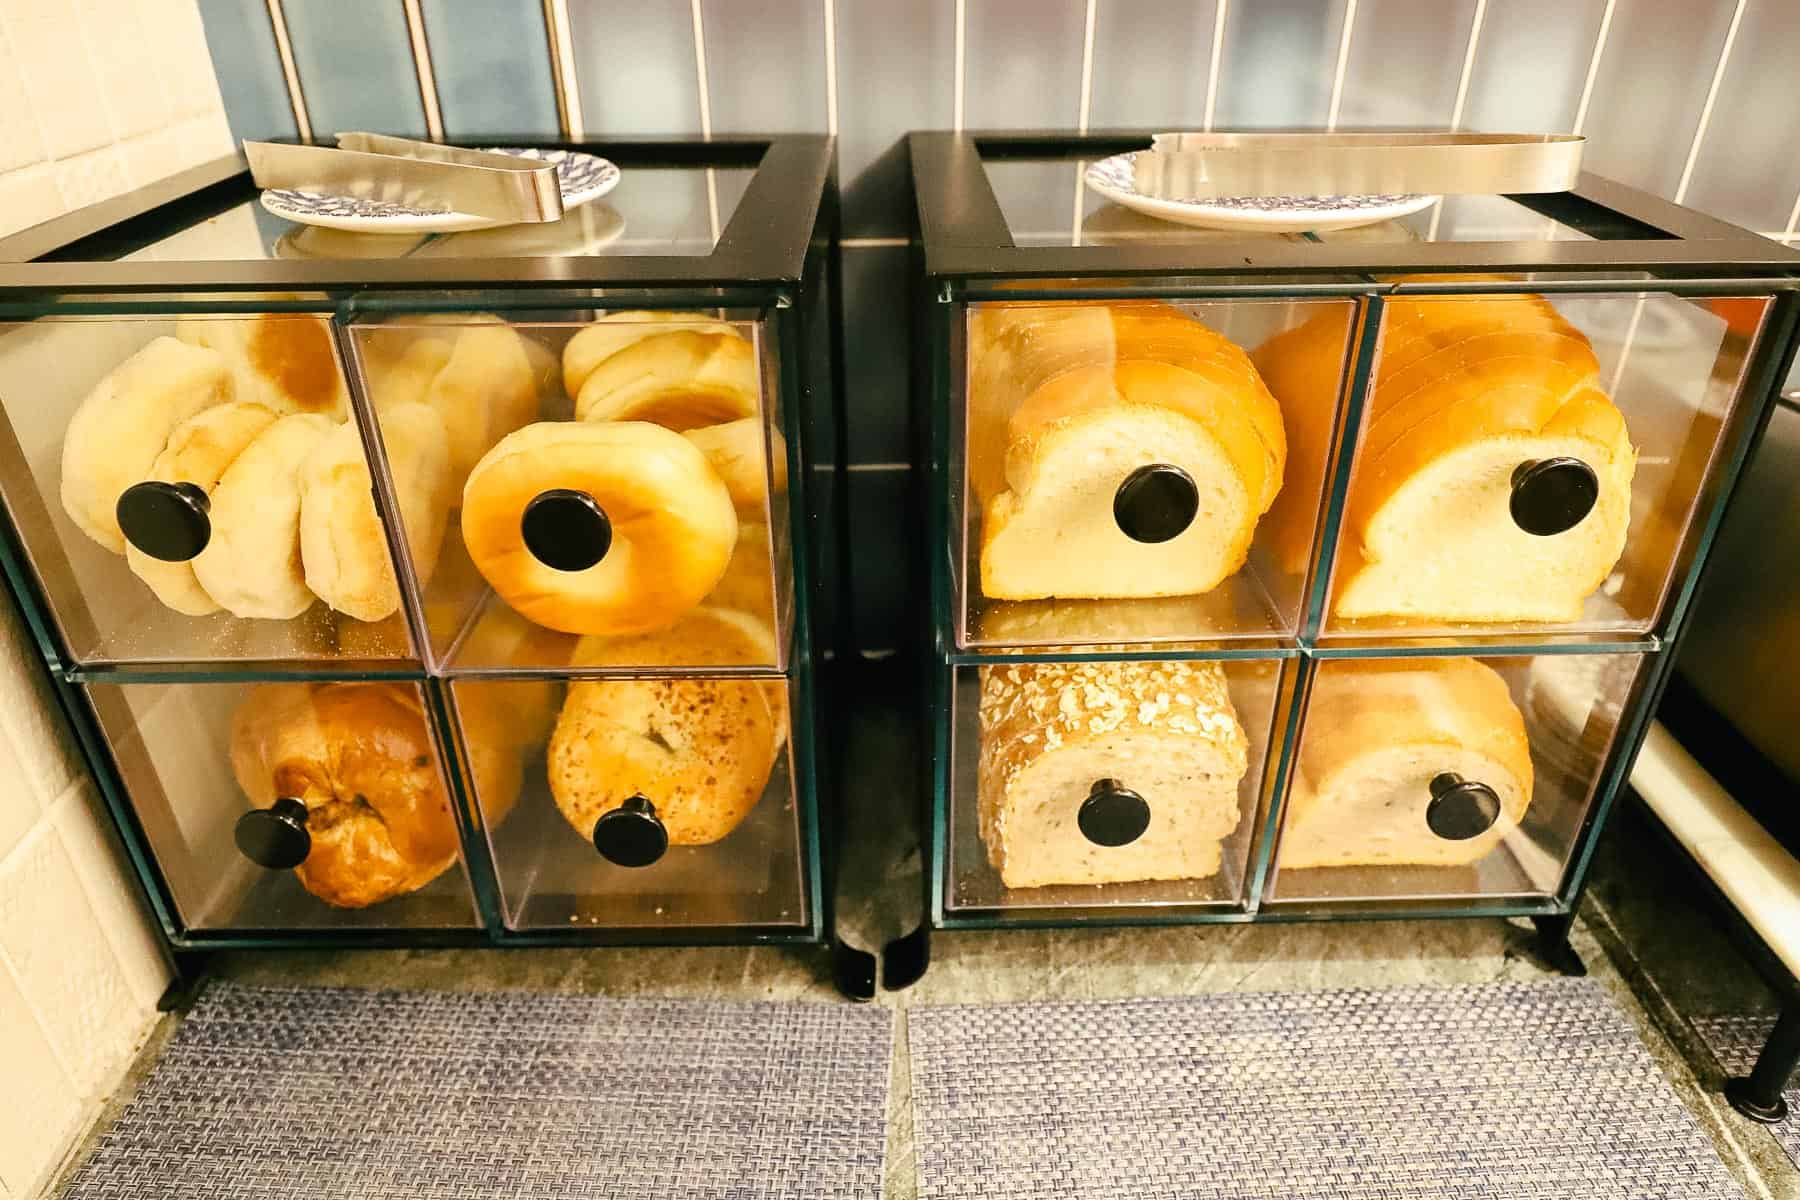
[(1398, 500), (440, 587)]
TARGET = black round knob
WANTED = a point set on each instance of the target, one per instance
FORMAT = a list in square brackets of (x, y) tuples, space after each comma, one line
[(1113, 814), (566, 530), (1460, 808), (1553, 495), (165, 520), (275, 837), (631, 835), (1155, 503)]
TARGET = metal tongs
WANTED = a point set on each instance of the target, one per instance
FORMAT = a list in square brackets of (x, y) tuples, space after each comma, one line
[(1198, 166), (423, 175)]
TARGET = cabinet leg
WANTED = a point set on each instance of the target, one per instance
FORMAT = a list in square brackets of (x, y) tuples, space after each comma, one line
[(1552, 944), (184, 988), (1758, 1094), (852, 971), (905, 959)]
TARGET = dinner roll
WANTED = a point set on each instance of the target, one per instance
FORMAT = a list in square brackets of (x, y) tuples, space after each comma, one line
[(682, 380), (283, 361), (616, 331), (735, 450), (252, 566)]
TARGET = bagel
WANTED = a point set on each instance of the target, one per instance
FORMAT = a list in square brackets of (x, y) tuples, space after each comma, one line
[(114, 438), (343, 545), (700, 750), (673, 526), (735, 450), (252, 567), (199, 451), (616, 331), (681, 380), (283, 361), (748, 584)]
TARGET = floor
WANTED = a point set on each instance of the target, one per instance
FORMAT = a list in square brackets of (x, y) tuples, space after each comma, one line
[(1648, 940)]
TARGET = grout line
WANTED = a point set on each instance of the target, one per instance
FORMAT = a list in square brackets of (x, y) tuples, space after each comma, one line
[(878, 467), (700, 70), (956, 107), (1593, 71), (284, 49), (1212, 67), (1793, 219), (1087, 64), (1712, 95), (423, 69), (868, 243), (1468, 67), (1637, 314), (1343, 62), (560, 36), (831, 68)]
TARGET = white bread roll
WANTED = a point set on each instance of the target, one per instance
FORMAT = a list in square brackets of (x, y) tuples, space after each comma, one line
[(681, 380), (735, 450), (748, 583), (285, 362), (673, 526), (1050, 731), (1467, 389), (343, 545), (618, 330), (1066, 402), (252, 565), (199, 451), (1376, 733), (114, 438)]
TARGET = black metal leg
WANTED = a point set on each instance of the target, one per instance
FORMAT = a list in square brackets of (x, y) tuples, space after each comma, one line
[(1552, 944), (905, 959), (190, 976), (852, 971), (1758, 1094)]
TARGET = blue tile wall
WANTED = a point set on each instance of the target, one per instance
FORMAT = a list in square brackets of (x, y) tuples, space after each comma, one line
[(356, 66), (876, 388), (896, 72), (1022, 63), (1276, 68), (1406, 58), (765, 65), (635, 66), (249, 68), (1152, 61), (492, 67), (1530, 63)]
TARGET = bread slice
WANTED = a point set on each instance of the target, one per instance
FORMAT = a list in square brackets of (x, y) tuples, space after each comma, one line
[(1376, 733), (1050, 731)]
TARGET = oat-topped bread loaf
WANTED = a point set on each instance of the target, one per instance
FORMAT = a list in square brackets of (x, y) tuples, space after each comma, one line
[(1471, 394), (1120, 739), (1378, 735), (1069, 404)]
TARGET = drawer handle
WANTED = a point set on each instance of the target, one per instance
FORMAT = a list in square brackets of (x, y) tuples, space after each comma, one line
[(631, 835), (566, 530), (275, 837), (1156, 503), (167, 521), (1461, 808), (1113, 814), (1553, 495)]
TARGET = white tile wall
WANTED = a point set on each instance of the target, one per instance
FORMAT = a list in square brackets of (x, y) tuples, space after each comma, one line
[(96, 98)]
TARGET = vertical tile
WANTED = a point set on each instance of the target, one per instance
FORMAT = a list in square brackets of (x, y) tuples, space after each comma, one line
[(356, 67), (634, 66), (175, 32), (58, 74), (91, 176), (20, 805), (28, 197), (1278, 62), (492, 64), (765, 65), (881, 560), (1022, 63), (123, 62), (248, 67), (1748, 171), (877, 280), (1530, 65), (896, 73), (1650, 89), (29, 715), (44, 1109), (1151, 62), (21, 142), (87, 835), (1406, 58)]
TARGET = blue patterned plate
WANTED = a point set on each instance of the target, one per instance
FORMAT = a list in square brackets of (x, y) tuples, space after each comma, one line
[(1113, 178), (584, 177)]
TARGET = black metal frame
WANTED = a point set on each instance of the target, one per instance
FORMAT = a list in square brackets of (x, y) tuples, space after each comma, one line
[(967, 253), (775, 251)]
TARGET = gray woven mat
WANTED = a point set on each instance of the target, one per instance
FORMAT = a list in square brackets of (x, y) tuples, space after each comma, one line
[(1498, 1090), (326, 1092), (1735, 1040)]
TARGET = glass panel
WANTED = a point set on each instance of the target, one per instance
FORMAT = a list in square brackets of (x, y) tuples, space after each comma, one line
[(644, 803), (1117, 784), (1129, 476), (1047, 202), (1422, 779), (1524, 465), (584, 495), (236, 783), (193, 489), (1467, 218)]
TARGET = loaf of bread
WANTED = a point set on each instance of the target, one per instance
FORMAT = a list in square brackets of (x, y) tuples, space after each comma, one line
[(199, 451), (1376, 733), (285, 362), (617, 331), (1066, 402), (1050, 732), (1467, 390), (116, 436), (252, 567)]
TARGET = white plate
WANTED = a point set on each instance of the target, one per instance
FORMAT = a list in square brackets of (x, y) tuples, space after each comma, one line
[(583, 178), (1113, 178)]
